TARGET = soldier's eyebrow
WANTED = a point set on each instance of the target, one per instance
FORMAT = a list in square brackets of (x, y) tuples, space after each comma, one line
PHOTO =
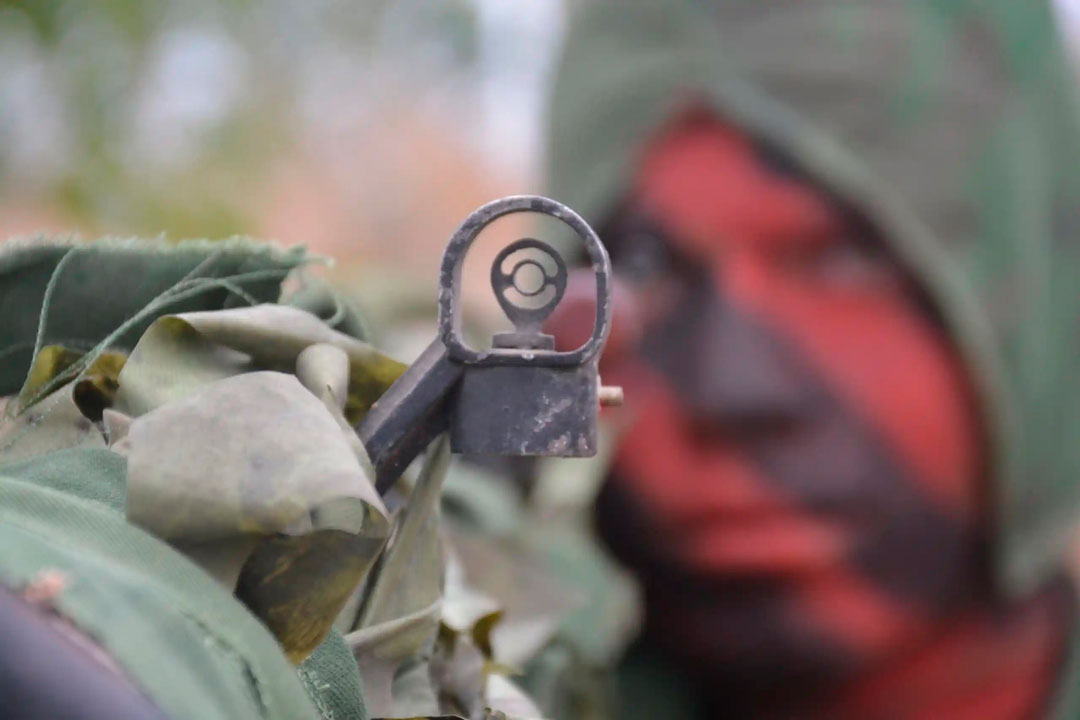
[(630, 222), (777, 160)]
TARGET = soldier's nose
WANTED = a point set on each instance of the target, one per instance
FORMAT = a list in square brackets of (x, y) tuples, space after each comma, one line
[(729, 368)]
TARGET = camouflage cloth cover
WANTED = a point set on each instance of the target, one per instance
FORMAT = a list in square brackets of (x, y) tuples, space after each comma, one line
[(950, 124), (178, 462)]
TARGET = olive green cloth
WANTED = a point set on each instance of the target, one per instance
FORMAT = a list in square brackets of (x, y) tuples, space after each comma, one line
[(339, 313), (329, 675), (94, 474), (332, 680), (182, 638)]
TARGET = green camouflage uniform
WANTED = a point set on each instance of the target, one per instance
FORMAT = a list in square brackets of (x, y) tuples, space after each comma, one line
[(951, 125)]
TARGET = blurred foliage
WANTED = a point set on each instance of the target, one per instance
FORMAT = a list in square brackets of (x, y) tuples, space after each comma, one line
[(50, 18), (140, 116)]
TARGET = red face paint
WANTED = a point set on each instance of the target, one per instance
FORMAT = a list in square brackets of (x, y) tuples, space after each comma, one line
[(779, 250)]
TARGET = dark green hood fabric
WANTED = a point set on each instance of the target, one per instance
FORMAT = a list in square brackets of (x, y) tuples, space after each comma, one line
[(951, 125)]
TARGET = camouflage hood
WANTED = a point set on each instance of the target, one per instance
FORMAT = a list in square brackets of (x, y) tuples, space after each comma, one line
[(949, 125)]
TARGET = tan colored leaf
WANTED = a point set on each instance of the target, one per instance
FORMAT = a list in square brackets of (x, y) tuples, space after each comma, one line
[(275, 335), (254, 479), (256, 453), (92, 393)]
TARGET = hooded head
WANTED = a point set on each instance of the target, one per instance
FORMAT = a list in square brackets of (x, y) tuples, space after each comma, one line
[(947, 128)]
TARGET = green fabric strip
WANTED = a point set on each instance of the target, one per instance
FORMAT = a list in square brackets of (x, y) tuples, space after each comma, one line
[(95, 474), (332, 680)]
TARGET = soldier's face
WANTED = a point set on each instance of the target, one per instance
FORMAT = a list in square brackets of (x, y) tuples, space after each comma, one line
[(794, 413)]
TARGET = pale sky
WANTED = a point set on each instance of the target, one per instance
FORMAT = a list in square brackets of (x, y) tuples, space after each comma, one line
[(1069, 16)]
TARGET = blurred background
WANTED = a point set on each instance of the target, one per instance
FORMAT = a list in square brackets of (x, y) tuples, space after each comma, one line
[(366, 131)]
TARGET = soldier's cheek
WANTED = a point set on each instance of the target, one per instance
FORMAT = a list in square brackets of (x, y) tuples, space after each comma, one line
[(890, 365)]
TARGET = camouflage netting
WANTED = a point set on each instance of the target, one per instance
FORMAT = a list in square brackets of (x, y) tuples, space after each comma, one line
[(178, 450)]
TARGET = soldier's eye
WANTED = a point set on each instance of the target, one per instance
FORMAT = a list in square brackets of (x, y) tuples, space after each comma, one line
[(857, 266), (642, 256), (846, 265), (778, 162)]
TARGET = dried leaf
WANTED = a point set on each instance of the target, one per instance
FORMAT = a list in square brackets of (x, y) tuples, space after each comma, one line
[(92, 393), (172, 360), (324, 370), (533, 601), (96, 391), (50, 361), (297, 585)]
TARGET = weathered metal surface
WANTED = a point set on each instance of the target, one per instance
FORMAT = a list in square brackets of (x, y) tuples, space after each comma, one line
[(522, 397), (516, 410), (518, 397), (450, 282), (528, 320), (410, 414)]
